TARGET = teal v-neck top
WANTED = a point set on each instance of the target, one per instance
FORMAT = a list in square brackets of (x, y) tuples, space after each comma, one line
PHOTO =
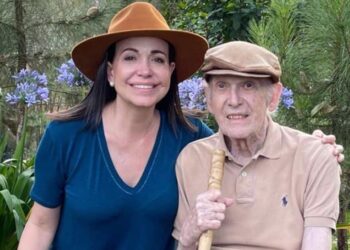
[(74, 170)]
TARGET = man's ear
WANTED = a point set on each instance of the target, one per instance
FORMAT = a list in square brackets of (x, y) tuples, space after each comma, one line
[(206, 87), (277, 91)]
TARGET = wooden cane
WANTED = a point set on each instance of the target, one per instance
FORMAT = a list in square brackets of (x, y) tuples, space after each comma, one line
[(216, 173)]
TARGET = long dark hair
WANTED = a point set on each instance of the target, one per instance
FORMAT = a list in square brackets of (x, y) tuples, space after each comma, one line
[(101, 93)]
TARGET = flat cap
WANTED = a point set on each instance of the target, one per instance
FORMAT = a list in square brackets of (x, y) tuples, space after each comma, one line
[(242, 59)]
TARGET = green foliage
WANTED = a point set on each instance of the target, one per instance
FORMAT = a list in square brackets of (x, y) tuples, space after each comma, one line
[(50, 30), (3, 144), (277, 29), (220, 20), (14, 200), (326, 61), (16, 180)]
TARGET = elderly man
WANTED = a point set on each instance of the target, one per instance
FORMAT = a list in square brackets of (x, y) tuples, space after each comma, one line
[(280, 186)]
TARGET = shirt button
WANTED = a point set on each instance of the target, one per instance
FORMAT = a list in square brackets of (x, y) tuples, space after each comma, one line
[(244, 174)]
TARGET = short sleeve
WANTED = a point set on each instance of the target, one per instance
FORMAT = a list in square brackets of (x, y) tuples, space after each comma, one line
[(49, 180), (321, 204), (184, 206)]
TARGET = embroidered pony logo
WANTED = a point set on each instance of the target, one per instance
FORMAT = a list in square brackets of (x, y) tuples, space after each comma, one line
[(284, 201)]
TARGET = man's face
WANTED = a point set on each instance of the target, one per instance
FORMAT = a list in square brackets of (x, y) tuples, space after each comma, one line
[(240, 104)]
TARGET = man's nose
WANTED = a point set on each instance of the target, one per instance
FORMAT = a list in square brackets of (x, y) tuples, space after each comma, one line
[(234, 98)]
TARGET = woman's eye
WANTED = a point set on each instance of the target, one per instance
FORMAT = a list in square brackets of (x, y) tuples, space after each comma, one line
[(129, 58), (159, 60)]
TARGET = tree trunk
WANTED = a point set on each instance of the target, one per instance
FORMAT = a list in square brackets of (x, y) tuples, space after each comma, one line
[(342, 235), (21, 41)]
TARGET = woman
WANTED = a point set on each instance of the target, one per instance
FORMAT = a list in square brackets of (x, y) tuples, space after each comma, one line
[(104, 172), (105, 169)]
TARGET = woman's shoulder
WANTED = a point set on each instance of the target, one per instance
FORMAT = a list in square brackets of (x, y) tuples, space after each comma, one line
[(58, 128)]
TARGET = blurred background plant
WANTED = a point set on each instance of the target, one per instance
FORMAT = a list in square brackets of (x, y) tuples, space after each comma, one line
[(191, 93), (31, 88), (71, 86), (69, 75), (193, 100), (287, 98), (16, 173), (15, 203)]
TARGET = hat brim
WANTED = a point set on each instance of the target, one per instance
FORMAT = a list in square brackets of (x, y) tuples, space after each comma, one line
[(235, 73), (190, 49)]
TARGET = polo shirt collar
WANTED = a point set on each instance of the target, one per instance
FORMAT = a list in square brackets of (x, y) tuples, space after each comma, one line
[(272, 147)]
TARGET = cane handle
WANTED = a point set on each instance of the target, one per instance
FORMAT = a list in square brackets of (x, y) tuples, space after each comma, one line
[(216, 174)]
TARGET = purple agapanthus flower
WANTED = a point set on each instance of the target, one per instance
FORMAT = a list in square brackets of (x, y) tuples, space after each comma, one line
[(69, 74), (191, 93), (287, 98), (31, 88)]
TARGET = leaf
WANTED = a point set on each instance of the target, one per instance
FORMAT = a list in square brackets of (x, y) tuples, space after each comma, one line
[(3, 144), (214, 12), (21, 143), (20, 222), (23, 184), (328, 109), (11, 160), (30, 163), (14, 205), (3, 182), (317, 108), (8, 199)]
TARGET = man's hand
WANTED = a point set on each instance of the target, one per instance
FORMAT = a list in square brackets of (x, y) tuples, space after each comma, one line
[(330, 139), (207, 214)]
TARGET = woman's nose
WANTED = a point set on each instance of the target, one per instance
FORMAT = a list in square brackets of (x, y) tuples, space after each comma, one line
[(144, 68)]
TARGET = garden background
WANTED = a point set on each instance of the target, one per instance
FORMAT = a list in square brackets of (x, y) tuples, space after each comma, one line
[(311, 38)]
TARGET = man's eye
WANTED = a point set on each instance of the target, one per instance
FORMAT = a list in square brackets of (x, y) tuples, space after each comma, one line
[(248, 85), (221, 85)]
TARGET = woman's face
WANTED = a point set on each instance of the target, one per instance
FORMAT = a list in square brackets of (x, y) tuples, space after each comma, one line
[(141, 71)]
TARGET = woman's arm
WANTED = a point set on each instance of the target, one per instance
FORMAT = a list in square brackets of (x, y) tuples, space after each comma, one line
[(40, 228)]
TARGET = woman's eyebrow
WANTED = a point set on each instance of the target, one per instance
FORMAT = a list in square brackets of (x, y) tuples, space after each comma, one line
[(132, 49), (156, 51)]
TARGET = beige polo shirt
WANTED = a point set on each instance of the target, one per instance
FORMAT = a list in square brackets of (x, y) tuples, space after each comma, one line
[(291, 183)]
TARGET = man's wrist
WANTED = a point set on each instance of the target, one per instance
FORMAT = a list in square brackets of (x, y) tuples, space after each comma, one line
[(187, 242), (187, 247), (189, 234)]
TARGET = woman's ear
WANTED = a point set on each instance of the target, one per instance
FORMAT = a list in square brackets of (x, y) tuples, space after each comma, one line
[(110, 74), (277, 90), (172, 67)]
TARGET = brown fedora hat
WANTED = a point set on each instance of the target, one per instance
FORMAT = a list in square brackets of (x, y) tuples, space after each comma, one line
[(141, 19)]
